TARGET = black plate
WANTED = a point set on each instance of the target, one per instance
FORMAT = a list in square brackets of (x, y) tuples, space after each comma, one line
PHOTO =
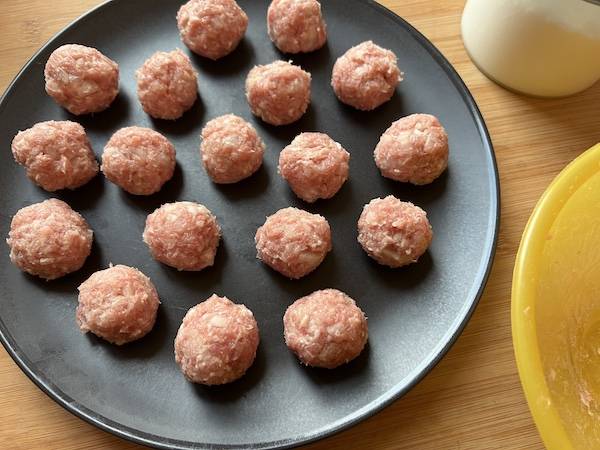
[(415, 313)]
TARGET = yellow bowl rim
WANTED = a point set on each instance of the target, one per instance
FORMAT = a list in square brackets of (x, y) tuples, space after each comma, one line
[(524, 332)]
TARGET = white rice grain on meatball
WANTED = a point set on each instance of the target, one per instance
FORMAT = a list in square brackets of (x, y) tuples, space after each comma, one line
[(139, 160), (217, 341), (183, 235), (49, 239), (293, 242), (394, 233), (366, 76), (413, 149), (231, 149), (57, 155), (296, 26), (81, 79), (167, 85), (325, 329), (278, 93), (314, 165), (118, 304), (212, 28)]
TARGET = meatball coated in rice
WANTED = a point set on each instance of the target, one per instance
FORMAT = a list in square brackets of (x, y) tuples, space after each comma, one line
[(366, 76), (293, 242), (49, 239), (57, 155), (183, 235), (231, 149), (392, 232), (413, 149), (81, 79), (325, 329), (212, 28), (278, 93), (167, 85), (296, 26), (139, 160), (118, 304), (217, 341), (314, 165)]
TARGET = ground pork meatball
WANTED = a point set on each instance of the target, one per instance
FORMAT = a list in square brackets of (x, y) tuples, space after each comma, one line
[(167, 85), (392, 232), (217, 341), (278, 93), (118, 304), (57, 155), (413, 149), (366, 76), (231, 150), (49, 239), (325, 329), (183, 235), (314, 165), (139, 160), (81, 79), (293, 242), (212, 28), (296, 26)]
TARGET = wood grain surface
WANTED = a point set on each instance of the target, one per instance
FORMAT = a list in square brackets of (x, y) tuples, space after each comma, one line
[(472, 399)]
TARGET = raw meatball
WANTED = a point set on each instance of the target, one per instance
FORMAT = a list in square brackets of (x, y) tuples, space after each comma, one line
[(117, 304), (57, 155), (139, 160), (325, 329), (183, 235), (217, 341), (278, 93), (296, 26), (49, 239), (81, 79), (392, 232), (314, 165), (414, 150), (231, 149), (212, 28), (366, 76), (293, 242), (167, 85)]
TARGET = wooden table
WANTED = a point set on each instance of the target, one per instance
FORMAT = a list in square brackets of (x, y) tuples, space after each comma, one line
[(472, 399)]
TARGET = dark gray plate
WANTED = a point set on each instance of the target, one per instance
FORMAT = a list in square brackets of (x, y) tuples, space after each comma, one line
[(415, 313)]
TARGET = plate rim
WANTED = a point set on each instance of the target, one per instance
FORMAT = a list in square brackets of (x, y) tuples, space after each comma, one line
[(376, 405)]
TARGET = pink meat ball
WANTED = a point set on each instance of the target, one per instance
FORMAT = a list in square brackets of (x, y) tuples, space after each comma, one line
[(314, 165), (293, 242), (392, 232), (296, 26), (81, 79), (57, 155), (413, 149), (366, 76), (325, 329), (231, 149), (167, 85), (118, 304), (183, 235), (212, 28), (217, 341), (139, 160), (278, 93), (49, 239)]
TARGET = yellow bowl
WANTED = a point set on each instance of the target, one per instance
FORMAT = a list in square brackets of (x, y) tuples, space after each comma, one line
[(556, 308)]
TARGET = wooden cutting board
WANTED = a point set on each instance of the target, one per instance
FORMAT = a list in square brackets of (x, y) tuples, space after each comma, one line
[(472, 399)]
